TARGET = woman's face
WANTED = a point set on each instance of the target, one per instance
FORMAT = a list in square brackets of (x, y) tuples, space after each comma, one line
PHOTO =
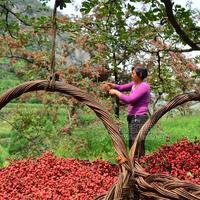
[(135, 77)]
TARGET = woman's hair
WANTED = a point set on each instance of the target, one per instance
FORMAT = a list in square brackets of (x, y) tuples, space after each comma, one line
[(140, 71)]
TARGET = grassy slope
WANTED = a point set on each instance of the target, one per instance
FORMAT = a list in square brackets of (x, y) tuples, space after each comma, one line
[(8, 80)]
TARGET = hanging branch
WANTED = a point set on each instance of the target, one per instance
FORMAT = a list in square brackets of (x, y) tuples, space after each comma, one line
[(61, 4), (7, 25), (178, 29), (159, 66), (110, 13), (18, 57), (17, 16), (14, 14)]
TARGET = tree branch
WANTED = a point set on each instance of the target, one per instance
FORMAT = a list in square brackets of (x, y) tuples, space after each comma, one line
[(18, 57), (7, 25), (159, 66), (167, 50), (10, 11), (21, 20), (178, 29), (110, 13)]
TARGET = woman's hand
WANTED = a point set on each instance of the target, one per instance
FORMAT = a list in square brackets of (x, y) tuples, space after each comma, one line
[(114, 92), (111, 85), (107, 86)]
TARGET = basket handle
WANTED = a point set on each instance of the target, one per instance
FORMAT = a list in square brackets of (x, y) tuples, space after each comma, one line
[(111, 126)]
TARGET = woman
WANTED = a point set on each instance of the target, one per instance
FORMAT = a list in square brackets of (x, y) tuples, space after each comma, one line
[(138, 100)]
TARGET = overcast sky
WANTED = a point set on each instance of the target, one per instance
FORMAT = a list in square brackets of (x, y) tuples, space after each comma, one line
[(72, 9)]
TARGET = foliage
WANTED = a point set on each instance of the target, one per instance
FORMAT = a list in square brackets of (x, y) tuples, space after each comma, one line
[(89, 138), (8, 79), (118, 34), (171, 72), (20, 37), (32, 131), (3, 157), (152, 14), (93, 142)]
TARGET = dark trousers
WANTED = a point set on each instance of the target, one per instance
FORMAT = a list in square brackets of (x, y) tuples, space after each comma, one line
[(135, 122)]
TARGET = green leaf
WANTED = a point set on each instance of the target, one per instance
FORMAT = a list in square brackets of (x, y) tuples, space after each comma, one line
[(62, 3), (84, 10), (156, 10)]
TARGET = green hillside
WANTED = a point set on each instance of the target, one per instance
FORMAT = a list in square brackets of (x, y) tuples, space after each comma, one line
[(8, 78)]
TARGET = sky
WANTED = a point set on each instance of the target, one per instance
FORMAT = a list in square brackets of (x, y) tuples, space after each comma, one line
[(72, 10)]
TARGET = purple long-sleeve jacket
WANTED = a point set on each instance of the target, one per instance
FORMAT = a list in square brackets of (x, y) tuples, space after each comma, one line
[(138, 98)]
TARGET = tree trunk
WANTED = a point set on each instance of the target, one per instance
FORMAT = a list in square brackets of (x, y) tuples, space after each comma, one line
[(116, 104), (117, 107)]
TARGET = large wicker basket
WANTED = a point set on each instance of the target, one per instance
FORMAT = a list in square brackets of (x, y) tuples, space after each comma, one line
[(133, 182)]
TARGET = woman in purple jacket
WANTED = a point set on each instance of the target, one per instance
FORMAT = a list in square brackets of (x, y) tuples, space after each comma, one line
[(138, 100)]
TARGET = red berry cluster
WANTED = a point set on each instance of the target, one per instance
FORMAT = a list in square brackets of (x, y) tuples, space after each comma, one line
[(49, 177), (182, 159)]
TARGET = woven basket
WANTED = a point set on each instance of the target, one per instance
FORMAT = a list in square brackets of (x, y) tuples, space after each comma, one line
[(133, 182)]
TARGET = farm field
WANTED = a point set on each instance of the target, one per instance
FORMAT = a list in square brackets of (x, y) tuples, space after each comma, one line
[(90, 140)]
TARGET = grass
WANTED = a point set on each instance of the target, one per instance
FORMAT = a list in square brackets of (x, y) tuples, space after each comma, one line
[(93, 141), (4, 137), (175, 128), (90, 139), (8, 79)]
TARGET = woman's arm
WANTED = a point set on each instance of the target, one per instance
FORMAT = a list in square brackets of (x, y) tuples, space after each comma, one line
[(136, 95), (124, 87)]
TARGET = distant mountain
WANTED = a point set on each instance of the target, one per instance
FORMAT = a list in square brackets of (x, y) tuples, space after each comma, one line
[(32, 8), (35, 8)]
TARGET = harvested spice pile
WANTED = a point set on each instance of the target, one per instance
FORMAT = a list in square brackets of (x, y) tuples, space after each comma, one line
[(50, 177), (181, 159)]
